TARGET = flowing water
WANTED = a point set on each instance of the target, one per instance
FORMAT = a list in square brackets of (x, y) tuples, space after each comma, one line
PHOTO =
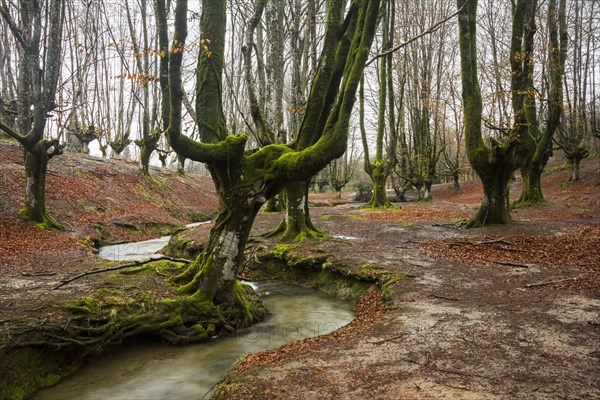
[(137, 250), (158, 371)]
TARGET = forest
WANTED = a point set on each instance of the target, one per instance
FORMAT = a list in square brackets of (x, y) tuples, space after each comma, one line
[(299, 199)]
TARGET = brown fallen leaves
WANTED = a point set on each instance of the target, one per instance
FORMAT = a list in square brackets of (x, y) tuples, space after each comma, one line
[(574, 251)]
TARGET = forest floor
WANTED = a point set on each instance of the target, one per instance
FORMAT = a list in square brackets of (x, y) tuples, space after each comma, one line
[(496, 312)]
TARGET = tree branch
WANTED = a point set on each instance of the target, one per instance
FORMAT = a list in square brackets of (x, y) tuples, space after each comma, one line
[(430, 30)]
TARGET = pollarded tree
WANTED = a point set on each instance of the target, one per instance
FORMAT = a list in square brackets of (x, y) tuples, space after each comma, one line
[(493, 164), (244, 180), (538, 141), (37, 28)]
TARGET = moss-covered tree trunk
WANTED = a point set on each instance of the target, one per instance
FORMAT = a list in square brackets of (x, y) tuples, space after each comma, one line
[(425, 191), (379, 198), (147, 147), (244, 181), (532, 184), (36, 166), (298, 224), (494, 208), (456, 182), (494, 165), (574, 162), (215, 271), (535, 145)]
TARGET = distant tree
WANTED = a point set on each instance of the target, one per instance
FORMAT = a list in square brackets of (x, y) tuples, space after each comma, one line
[(37, 28), (383, 164), (537, 144), (341, 170)]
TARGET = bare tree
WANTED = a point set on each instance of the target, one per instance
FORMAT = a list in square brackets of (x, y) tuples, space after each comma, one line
[(38, 30)]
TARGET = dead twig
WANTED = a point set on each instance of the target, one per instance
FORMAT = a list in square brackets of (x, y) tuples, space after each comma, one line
[(39, 274), (134, 264), (513, 250), (401, 336), (546, 283), (509, 264), (437, 296)]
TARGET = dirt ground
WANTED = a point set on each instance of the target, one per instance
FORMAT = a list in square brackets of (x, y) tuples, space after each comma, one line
[(497, 312)]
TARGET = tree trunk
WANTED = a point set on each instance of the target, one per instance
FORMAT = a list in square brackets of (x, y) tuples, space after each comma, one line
[(180, 165), (273, 204), (146, 148), (575, 177), (531, 173), (456, 186), (425, 191), (494, 207), (36, 166), (297, 224), (379, 198), (213, 273)]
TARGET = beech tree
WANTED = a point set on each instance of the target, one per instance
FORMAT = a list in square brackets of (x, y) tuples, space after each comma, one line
[(245, 179), (495, 162), (37, 28), (537, 142), (385, 158)]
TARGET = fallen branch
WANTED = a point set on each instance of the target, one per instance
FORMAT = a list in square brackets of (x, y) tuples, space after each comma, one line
[(437, 296), (513, 250), (134, 264), (494, 241), (509, 264), (39, 274), (540, 284), (401, 336)]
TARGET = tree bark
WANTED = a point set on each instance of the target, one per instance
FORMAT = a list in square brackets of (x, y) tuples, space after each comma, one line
[(36, 166), (379, 198), (575, 176), (494, 208)]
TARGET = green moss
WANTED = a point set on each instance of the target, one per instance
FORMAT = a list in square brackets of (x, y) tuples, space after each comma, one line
[(281, 250), (26, 370), (369, 266)]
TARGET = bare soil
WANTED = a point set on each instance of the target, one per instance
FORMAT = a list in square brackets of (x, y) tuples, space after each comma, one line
[(496, 312)]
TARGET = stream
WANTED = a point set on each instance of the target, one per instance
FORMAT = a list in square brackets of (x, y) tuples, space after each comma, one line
[(160, 371)]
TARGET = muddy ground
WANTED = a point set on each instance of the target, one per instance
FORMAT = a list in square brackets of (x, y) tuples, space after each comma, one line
[(499, 312)]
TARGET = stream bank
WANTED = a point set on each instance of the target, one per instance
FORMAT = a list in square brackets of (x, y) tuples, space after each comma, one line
[(135, 290)]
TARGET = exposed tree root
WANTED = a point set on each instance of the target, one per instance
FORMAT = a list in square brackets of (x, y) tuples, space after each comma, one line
[(134, 264)]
